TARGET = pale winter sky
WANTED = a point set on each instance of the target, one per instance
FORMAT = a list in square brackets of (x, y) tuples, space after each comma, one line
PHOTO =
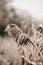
[(35, 7)]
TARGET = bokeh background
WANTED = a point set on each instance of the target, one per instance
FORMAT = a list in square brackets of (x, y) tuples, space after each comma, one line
[(21, 12)]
